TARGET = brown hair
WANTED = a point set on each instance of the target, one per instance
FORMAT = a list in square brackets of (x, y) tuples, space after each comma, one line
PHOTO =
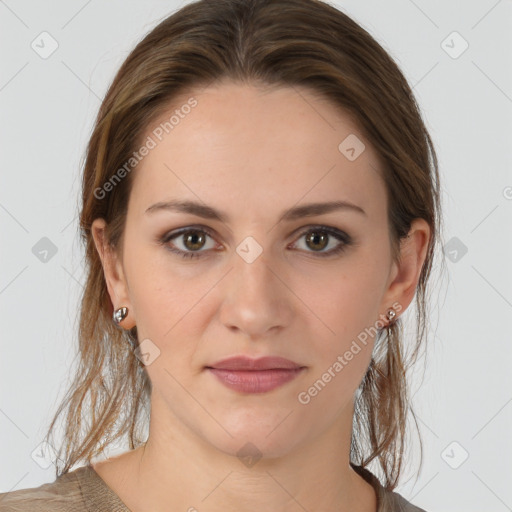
[(305, 43)]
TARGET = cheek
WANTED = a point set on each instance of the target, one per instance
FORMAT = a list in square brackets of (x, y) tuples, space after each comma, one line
[(173, 307), (343, 346), (345, 300), (344, 307), (161, 297)]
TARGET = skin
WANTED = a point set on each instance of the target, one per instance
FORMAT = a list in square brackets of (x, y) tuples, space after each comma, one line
[(253, 153)]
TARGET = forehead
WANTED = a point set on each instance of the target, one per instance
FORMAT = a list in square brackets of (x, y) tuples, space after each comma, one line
[(232, 144)]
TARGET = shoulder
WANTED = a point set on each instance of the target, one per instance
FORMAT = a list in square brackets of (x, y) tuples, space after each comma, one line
[(387, 501), (63, 494), (395, 502)]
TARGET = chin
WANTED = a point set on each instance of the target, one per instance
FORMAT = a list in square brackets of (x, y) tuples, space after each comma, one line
[(253, 443)]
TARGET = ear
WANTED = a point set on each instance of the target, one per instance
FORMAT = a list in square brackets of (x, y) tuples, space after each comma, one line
[(113, 272), (405, 274)]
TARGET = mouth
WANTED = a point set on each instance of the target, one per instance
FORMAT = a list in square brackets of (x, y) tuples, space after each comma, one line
[(247, 375)]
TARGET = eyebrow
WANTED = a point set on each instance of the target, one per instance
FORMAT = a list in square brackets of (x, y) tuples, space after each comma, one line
[(297, 212)]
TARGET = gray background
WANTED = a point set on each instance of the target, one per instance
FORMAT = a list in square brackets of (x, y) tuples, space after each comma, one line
[(48, 104)]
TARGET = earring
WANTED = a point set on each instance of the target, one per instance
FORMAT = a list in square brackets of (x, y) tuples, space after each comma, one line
[(120, 314), (391, 315)]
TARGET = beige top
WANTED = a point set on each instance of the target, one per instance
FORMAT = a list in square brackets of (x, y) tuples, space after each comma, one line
[(83, 490)]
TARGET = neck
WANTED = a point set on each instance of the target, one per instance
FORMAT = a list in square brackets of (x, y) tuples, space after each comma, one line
[(177, 469)]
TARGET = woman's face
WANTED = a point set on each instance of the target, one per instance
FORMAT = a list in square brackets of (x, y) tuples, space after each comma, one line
[(308, 287)]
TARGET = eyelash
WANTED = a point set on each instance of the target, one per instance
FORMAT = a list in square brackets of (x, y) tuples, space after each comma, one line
[(339, 235)]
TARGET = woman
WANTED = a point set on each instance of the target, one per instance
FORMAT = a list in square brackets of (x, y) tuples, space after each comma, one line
[(260, 207)]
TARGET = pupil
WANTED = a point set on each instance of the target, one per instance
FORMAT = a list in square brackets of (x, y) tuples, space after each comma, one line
[(194, 238), (314, 238)]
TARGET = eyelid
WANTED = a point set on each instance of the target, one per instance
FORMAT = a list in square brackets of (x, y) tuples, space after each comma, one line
[(331, 230)]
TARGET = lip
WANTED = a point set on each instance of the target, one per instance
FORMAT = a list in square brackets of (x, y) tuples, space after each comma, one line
[(247, 375), (255, 381), (248, 363)]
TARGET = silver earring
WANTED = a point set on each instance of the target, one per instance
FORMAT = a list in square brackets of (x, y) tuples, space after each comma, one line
[(120, 314), (390, 315)]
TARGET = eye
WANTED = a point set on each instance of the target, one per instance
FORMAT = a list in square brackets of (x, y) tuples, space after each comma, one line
[(191, 242), (318, 238)]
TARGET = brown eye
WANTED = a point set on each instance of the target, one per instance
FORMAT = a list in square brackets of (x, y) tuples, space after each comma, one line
[(193, 240), (317, 240), (188, 243)]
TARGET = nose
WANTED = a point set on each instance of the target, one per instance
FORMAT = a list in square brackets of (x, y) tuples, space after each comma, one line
[(256, 298)]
